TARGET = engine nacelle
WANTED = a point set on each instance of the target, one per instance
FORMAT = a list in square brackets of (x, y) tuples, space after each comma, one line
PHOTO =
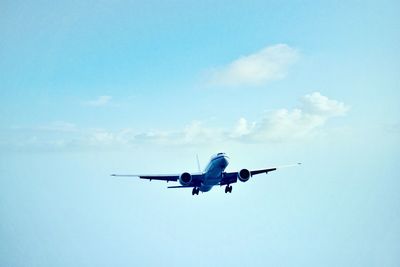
[(185, 178), (244, 175)]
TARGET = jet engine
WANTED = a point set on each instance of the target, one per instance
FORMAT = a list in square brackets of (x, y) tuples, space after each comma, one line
[(185, 178), (244, 175)]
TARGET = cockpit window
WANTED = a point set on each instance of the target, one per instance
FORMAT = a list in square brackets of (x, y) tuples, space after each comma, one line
[(220, 154)]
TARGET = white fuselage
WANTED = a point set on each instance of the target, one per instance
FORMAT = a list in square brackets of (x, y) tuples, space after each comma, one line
[(213, 171)]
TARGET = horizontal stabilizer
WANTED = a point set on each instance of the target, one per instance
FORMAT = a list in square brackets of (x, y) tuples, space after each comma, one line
[(180, 186)]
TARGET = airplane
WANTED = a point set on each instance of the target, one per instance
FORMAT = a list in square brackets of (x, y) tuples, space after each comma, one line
[(213, 175)]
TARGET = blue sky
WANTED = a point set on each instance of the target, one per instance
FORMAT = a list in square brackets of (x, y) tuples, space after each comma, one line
[(89, 88)]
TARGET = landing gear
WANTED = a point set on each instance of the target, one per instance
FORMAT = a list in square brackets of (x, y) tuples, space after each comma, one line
[(228, 188), (195, 191)]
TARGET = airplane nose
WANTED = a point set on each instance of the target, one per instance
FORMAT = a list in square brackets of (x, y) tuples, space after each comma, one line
[(225, 161)]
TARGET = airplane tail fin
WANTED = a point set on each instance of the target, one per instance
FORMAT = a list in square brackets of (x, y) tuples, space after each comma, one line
[(198, 162)]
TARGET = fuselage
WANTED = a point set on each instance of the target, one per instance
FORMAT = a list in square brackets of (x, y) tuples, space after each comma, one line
[(213, 171)]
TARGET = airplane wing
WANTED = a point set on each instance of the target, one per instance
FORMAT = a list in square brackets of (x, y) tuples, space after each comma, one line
[(168, 178), (232, 177), (255, 172), (196, 178)]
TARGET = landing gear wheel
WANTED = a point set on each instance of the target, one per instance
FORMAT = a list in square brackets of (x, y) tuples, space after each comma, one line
[(228, 189), (195, 191)]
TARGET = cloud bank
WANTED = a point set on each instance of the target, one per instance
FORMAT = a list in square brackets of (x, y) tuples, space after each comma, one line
[(301, 123), (270, 63)]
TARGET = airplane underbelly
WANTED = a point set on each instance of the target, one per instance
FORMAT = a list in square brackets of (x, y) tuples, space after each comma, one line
[(205, 188), (213, 174), (213, 179)]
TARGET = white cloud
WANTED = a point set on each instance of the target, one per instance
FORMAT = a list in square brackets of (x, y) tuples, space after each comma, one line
[(285, 124), (197, 132), (322, 105), (301, 123), (100, 101), (270, 63), (242, 128)]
